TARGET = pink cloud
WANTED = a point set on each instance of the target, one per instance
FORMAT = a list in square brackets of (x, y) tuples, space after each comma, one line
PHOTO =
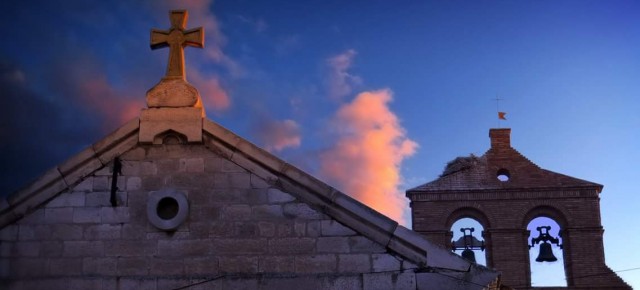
[(365, 160), (212, 93), (340, 82), (277, 135)]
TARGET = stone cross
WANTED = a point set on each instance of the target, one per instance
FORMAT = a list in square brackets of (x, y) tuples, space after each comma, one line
[(177, 38)]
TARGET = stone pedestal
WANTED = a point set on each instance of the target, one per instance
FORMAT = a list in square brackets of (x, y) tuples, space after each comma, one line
[(157, 122), (175, 113), (173, 92)]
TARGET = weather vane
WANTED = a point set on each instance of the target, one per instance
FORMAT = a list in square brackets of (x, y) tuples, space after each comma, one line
[(501, 115)]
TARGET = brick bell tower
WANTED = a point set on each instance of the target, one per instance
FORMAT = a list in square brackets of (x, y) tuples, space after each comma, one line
[(504, 191)]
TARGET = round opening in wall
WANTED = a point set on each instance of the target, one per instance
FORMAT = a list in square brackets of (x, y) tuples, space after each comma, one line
[(167, 208), (503, 175)]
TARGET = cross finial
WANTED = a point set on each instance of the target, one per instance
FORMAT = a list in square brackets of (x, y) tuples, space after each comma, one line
[(177, 38)]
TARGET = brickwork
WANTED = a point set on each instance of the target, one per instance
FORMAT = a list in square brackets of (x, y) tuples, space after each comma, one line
[(505, 208), (239, 226)]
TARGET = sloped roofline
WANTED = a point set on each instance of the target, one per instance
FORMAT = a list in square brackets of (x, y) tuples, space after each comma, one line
[(337, 205)]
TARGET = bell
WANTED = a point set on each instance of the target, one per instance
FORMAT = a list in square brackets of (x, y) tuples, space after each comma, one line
[(546, 254), (469, 255)]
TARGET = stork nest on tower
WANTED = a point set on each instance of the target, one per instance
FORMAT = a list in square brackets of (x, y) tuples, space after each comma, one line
[(459, 164)]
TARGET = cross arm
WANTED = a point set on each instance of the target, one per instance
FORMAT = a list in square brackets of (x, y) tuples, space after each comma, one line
[(194, 37), (159, 38)]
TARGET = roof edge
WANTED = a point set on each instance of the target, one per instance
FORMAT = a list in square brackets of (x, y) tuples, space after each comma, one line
[(69, 173)]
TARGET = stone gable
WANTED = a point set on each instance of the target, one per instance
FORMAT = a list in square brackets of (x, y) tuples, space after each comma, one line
[(253, 222)]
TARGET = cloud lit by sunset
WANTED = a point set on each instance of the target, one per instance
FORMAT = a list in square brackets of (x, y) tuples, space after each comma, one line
[(277, 135), (365, 160)]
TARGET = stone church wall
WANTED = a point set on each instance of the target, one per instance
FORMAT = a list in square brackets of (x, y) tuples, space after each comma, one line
[(241, 233)]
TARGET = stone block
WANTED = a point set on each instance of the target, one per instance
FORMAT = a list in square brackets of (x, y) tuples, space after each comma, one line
[(204, 213), (148, 168), (291, 282), (205, 265), (389, 281), (284, 229), (26, 249), (85, 185), (246, 229), (83, 249), (360, 244), (66, 232), (384, 262), (342, 282), (58, 215), (191, 165), (232, 180), (292, 246), (67, 199), (65, 266), (130, 248), (101, 183), (238, 195), (114, 215), (334, 228), (238, 264), (99, 266), (167, 165), (34, 232), (128, 266), (183, 248), (302, 211), (266, 229), (275, 195), (354, 263), (237, 212), (166, 266), (189, 180), (103, 198), (276, 264), (156, 121), (33, 218), (7, 249), (9, 233), (314, 229), (134, 183), (258, 182), (147, 283), (316, 264), (269, 211), (133, 231), (5, 265), (333, 245), (222, 247), (102, 232), (83, 215), (28, 267), (51, 249), (221, 229)]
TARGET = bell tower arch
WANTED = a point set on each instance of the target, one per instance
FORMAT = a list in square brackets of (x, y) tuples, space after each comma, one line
[(505, 191)]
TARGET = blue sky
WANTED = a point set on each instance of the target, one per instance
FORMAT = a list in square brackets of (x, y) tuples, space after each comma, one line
[(302, 71)]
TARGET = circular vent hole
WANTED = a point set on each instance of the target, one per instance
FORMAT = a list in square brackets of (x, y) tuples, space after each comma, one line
[(167, 208), (503, 175)]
